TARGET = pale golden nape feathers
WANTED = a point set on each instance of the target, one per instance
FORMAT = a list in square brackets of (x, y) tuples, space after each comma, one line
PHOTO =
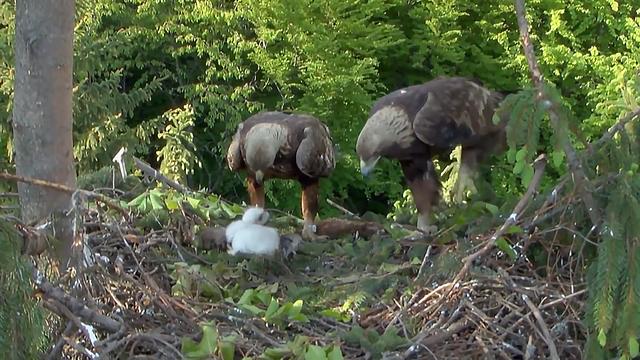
[(389, 126), (262, 143)]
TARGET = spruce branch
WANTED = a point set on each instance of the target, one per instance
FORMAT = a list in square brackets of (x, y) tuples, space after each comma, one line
[(583, 184)]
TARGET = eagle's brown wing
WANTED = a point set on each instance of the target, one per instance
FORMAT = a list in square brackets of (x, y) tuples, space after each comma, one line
[(315, 155), (456, 111), (234, 154)]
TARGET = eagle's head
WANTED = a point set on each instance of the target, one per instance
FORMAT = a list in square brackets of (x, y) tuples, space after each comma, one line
[(255, 215), (388, 127), (368, 152), (261, 145)]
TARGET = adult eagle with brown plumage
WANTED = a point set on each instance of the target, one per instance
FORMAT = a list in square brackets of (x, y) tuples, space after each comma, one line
[(273, 144), (416, 123)]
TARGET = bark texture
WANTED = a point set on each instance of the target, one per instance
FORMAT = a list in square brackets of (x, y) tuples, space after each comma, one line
[(42, 114)]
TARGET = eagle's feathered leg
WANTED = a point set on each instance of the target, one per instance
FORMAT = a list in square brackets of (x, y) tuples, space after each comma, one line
[(467, 173), (256, 191), (425, 188), (309, 205)]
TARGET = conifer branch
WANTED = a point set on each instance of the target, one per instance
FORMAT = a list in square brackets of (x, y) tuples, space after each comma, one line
[(619, 126), (583, 184)]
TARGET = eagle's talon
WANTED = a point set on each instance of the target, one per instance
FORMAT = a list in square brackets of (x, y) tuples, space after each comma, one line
[(309, 234), (430, 230), (425, 226)]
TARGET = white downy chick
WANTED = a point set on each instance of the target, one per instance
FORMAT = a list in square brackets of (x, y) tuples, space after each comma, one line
[(254, 239), (250, 236), (252, 215)]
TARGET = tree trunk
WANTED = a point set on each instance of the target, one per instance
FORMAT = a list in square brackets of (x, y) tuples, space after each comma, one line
[(42, 114)]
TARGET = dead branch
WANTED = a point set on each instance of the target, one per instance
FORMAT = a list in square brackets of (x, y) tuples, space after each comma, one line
[(424, 340), (48, 184), (342, 208), (543, 327), (583, 184), (538, 166), (153, 173), (75, 306)]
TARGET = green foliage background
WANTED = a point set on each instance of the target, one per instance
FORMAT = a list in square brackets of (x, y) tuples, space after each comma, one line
[(171, 79)]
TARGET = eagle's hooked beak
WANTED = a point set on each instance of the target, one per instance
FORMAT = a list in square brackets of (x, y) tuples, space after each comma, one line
[(366, 167)]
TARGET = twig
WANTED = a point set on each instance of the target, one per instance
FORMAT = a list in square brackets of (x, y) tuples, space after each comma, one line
[(538, 166), (57, 348), (342, 208), (423, 265), (76, 307), (562, 299), (422, 340), (582, 182), (543, 327), (67, 189), (619, 126), (149, 171)]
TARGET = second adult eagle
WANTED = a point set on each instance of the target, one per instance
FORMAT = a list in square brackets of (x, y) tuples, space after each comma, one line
[(275, 144), (416, 123)]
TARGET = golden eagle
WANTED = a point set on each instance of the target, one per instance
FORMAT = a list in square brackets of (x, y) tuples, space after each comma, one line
[(275, 144), (416, 123)]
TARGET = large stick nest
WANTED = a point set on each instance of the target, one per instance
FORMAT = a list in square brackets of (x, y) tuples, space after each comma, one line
[(145, 292)]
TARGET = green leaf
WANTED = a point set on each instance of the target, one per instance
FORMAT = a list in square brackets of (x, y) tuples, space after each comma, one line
[(521, 154), (205, 348), (228, 349), (296, 308), (517, 168), (156, 200), (602, 338), (227, 209), (557, 158), (252, 308), (172, 204), (492, 209), (634, 347), (246, 297), (505, 247), (193, 201), (273, 307), (511, 155), (335, 353), (527, 175), (495, 118), (514, 229), (135, 202), (315, 352), (276, 353)]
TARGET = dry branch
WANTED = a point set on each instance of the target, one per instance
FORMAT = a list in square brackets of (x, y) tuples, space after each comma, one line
[(543, 327), (538, 166), (151, 172), (575, 165), (44, 183), (76, 307)]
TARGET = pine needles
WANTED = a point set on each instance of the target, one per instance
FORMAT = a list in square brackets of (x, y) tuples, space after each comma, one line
[(22, 323)]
